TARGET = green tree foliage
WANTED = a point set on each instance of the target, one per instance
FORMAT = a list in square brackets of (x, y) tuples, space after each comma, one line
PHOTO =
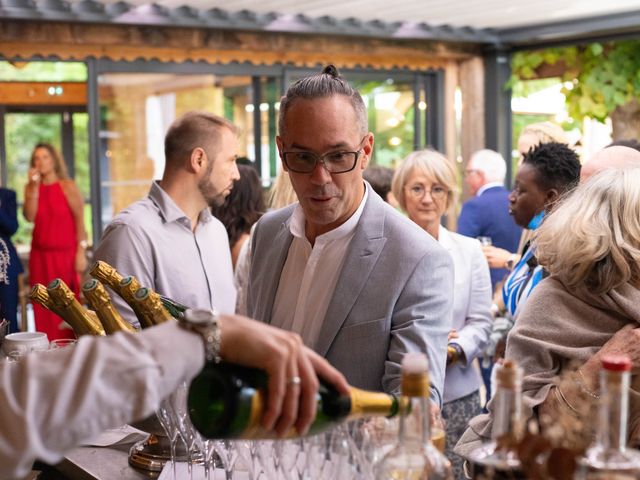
[(600, 77), (387, 152), (43, 71)]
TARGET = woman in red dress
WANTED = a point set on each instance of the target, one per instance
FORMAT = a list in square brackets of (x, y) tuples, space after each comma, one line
[(54, 203)]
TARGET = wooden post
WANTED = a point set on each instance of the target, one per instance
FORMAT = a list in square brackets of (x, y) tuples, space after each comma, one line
[(472, 131)]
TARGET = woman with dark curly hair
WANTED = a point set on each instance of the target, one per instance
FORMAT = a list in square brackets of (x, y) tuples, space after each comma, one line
[(241, 209), (547, 172)]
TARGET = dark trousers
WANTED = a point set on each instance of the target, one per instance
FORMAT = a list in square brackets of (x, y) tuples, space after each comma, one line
[(486, 379)]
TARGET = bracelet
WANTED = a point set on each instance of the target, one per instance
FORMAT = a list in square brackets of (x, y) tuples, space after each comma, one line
[(83, 244), (560, 396), (511, 261), (583, 387), (455, 353)]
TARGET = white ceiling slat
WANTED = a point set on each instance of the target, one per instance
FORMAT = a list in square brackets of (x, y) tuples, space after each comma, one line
[(477, 14)]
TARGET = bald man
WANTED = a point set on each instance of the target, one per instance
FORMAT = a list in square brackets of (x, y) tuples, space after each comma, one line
[(610, 157)]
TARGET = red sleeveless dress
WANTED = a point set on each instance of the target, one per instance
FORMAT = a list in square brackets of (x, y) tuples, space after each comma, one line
[(53, 252)]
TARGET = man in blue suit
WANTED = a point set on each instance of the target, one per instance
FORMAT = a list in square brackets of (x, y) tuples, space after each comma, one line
[(486, 214)]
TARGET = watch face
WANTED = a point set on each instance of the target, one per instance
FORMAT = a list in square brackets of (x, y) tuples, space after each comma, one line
[(199, 316)]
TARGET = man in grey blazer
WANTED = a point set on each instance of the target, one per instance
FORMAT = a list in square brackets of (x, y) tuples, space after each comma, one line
[(359, 282)]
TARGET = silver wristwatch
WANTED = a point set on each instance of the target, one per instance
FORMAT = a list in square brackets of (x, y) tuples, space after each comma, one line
[(205, 323)]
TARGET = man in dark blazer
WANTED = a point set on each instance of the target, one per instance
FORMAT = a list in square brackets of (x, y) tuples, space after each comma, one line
[(359, 282), (486, 214)]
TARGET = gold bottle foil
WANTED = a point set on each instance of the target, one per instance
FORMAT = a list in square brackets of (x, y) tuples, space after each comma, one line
[(40, 296), (415, 385), (99, 300), (364, 404), (81, 320), (151, 304), (106, 274)]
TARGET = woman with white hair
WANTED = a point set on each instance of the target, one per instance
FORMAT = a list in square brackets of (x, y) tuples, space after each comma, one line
[(425, 186), (587, 308)]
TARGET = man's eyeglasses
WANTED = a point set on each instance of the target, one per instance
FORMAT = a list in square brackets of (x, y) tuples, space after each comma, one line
[(334, 162), (437, 192)]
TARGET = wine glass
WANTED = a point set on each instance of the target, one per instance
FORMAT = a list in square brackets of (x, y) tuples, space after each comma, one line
[(288, 451), (62, 343), (167, 420), (245, 455), (485, 241), (228, 455)]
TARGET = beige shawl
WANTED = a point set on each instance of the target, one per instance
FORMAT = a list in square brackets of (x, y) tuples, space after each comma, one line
[(556, 327)]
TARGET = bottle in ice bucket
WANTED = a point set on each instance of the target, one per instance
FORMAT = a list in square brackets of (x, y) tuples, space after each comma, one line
[(608, 457), (66, 306), (498, 458), (150, 307), (227, 401), (127, 286), (98, 298), (40, 296), (414, 457), (106, 274)]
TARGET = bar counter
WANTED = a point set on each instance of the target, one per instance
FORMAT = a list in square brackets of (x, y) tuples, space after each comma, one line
[(99, 463)]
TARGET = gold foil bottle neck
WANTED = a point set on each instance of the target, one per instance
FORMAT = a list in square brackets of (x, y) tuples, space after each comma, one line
[(64, 301), (99, 299), (99, 295), (40, 295), (152, 304), (415, 384), (60, 294), (365, 403), (106, 274), (128, 287)]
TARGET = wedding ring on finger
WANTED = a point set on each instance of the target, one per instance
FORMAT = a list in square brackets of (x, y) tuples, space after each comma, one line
[(294, 381)]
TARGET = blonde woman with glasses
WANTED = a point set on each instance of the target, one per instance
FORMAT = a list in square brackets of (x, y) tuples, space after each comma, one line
[(425, 186)]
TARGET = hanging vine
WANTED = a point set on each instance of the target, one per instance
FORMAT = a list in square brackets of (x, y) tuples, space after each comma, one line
[(601, 80)]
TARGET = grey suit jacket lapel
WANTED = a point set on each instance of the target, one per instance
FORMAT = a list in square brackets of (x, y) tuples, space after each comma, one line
[(281, 243), (361, 257)]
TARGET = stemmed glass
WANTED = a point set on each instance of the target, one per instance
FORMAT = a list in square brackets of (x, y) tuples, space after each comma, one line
[(228, 455), (267, 459), (167, 419), (198, 448), (339, 453), (246, 457)]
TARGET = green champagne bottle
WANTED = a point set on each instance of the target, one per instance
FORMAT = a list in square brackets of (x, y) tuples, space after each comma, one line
[(227, 401)]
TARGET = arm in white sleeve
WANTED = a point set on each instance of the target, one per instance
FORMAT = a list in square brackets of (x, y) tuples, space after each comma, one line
[(53, 401)]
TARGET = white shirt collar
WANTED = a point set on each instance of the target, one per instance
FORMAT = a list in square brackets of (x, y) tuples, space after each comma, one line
[(297, 223), (487, 186)]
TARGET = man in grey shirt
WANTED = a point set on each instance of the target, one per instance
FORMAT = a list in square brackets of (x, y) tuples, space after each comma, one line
[(170, 241)]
